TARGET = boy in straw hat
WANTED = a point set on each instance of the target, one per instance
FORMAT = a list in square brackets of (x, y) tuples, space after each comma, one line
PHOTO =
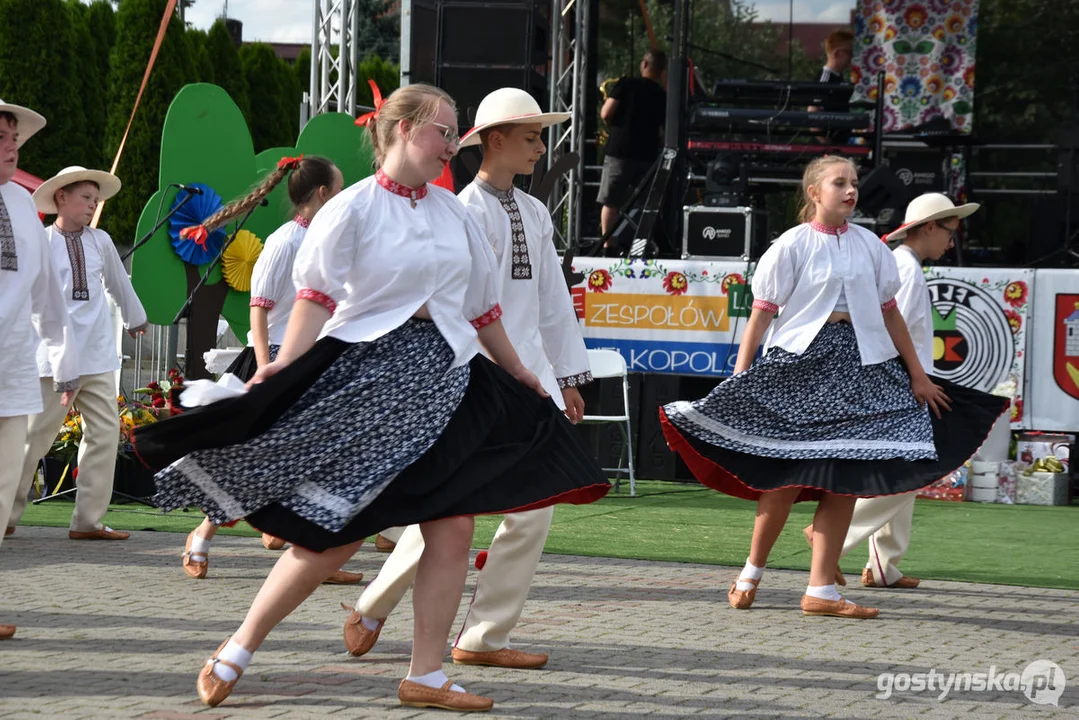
[(927, 232), (542, 325), (31, 310), (89, 268)]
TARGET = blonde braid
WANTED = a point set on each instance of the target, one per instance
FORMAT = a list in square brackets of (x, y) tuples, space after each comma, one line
[(239, 207)]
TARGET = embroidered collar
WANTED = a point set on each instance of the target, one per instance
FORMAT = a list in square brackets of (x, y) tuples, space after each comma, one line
[(492, 190), (829, 229), (70, 234), (397, 188), (301, 221)]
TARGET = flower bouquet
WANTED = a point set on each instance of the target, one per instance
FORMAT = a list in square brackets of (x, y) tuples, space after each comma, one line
[(165, 395)]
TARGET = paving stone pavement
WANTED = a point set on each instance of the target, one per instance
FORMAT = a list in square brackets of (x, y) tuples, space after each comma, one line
[(116, 630)]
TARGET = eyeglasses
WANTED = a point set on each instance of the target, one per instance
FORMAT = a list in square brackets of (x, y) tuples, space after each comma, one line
[(449, 134), (952, 232)]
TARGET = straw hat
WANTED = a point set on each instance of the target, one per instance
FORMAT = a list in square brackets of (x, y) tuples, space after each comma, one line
[(29, 121), (509, 106), (45, 195), (927, 207)]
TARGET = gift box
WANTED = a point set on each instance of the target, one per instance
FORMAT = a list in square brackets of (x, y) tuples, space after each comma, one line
[(1032, 447), (1042, 488), (952, 487), (1007, 480)]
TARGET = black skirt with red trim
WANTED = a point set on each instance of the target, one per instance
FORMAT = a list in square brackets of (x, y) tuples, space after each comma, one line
[(350, 439), (823, 422)]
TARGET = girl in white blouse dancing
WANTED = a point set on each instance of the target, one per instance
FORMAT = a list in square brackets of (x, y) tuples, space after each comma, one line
[(391, 418), (829, 413), (312, 182)]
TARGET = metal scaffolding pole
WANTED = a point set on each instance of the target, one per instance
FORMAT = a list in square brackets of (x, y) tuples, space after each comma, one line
[(333, 79), (569, 85)]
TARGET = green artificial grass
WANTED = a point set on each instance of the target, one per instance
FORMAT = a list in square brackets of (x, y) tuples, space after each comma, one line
[(1007, 544)]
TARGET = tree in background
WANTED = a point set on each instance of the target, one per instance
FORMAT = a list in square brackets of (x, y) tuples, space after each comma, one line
[(385, 74), (92, 88), (100, 19), (137, 22), (200, 55), (270, 126), (302, 69), (725, 42), (39, 69), (225, 59), (380, 29), (291, 97)]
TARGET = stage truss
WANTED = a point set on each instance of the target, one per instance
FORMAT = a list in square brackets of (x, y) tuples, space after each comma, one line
[(333, 79)]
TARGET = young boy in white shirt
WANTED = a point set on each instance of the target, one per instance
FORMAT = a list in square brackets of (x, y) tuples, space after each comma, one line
[(540, 321), (31, 311), (927, 232), (89, 267)]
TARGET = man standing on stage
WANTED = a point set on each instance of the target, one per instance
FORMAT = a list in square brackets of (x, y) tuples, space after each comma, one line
[(634, 111)]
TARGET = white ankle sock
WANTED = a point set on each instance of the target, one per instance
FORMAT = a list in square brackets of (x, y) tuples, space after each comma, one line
[(824, 592), (200, 546), (435, 680), (749, 572), (233, 653), (371, 625)]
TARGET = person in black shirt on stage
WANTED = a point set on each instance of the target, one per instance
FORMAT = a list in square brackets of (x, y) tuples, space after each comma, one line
[(634, 111)]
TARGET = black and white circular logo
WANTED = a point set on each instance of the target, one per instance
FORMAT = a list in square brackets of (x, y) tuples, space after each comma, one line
[(973, 345)]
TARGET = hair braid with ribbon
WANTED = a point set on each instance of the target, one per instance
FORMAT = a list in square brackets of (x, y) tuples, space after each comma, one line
[(199, 233), (417, 104)]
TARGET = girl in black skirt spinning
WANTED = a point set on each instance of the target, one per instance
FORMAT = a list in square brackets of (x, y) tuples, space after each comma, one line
[(829, 413), (391, 418)]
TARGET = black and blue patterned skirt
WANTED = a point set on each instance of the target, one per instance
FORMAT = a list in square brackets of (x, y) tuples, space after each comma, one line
[(824, 422), (352, 438)]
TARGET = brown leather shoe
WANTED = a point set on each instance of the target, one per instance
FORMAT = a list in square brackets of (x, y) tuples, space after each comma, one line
[(105, 533), (212, 689), (905, 582), (358, 639), (272, 543), (194, 568), (807, 533), (742, 599), (10, 530), (504, 658), (836, 608), (6, 631), (343, 577), (384, 544), (413, 694)]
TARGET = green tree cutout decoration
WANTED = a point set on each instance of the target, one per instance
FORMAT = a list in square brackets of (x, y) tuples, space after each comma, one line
[(205, 140)]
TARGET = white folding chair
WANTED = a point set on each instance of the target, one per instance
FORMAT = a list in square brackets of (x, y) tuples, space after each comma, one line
[(611, 364)]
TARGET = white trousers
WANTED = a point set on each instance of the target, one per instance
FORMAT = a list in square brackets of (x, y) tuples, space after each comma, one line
[(12, 442), (96, 400), (886, 522), (501, 589)]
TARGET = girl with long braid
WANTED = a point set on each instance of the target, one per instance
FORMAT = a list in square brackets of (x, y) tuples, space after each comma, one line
[(312, 181)]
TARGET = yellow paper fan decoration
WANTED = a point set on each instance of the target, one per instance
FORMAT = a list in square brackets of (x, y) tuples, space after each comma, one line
[(239, 260)]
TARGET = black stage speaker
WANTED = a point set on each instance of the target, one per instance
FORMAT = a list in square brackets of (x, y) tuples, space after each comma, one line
[(483, 45), (655, 461)]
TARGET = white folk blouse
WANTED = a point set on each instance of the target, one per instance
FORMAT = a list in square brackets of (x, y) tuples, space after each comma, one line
[(89, 269), (537, 309), (271, 280), (801, 275), (31, 309), (914, 302), (378, 252)]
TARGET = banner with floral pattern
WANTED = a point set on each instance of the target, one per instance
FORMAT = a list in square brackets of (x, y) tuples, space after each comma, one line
[(926, 50)]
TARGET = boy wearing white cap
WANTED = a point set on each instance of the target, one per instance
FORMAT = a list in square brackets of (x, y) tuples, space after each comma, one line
[(89, 268), (31, 311), (928, 230), (541, 323)]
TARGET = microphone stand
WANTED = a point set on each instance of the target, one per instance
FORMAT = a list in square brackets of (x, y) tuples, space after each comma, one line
[(146, 238), (205, 276)]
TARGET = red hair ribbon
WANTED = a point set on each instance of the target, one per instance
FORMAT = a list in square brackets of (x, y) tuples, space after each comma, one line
[(197, 234), (362, 120), (287, 163)]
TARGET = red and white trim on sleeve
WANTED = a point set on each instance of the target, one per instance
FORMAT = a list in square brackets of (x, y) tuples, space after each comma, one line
[(766, 306), (262, 302), (319, 297), (487, 318), (889, 305)]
